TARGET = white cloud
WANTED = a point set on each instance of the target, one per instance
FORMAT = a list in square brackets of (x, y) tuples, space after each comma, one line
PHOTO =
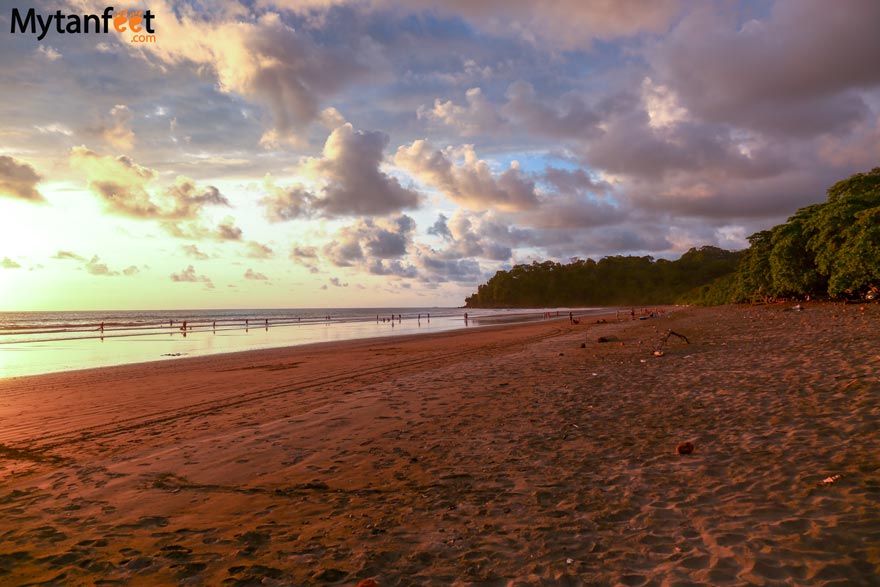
[(470, 182), (117, 128)]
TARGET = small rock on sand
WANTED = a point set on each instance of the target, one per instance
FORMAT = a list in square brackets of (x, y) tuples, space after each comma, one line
[(685, 448)]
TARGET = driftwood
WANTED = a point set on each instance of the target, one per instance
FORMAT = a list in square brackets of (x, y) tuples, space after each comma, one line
[(665, 338)]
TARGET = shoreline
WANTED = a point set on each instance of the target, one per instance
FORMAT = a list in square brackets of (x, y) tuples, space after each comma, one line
[(506, 455), (70, 353)]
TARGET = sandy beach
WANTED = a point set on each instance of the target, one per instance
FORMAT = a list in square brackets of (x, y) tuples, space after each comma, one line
[(506, 456)]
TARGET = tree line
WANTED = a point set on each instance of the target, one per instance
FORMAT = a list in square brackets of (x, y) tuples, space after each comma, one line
[(829, 250)]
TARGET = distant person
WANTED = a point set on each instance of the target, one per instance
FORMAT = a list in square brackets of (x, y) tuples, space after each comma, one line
[(184, 326), (102, 327), (632, 313)]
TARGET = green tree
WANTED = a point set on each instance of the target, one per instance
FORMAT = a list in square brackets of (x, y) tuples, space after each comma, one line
[(837, 223), (793, 269)]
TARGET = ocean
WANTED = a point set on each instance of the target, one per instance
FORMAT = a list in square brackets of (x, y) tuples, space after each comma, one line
[(47, 342)]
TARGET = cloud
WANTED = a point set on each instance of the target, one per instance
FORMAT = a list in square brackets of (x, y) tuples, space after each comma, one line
[(632, 147), (262, 59), (334, 281), (68, 256), (8, 263), (189, 199), (120, 182), (189, 275), (480, 234), (130, 270), (95, 267), (526, 111), (299, 252), (49, 53), (54, 128), (128, 189), (307, 256), (575, 181), (19, 180), (123, 184), (571, 118), (564, 24), (470, 183), (796, 72), (251, 274), (116, 130), (226, 230), (282, 204), (375, 245), (194, 252), (350, 179), (440, 228), (437, 269), (353, 182), (257, 250), (477, 117)]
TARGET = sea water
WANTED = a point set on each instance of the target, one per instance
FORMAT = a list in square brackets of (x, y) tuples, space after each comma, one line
[(47, 342)]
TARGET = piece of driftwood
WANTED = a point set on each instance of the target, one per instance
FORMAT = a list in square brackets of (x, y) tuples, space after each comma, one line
[(665, 338)]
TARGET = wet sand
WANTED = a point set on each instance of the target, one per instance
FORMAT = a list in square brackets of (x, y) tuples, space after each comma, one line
[(498, 456)]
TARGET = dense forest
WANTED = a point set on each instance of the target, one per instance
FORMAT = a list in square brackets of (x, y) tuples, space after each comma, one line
[(610, 281), (825, 250)]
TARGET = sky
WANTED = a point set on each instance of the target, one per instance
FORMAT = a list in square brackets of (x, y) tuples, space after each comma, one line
[(358, 153)]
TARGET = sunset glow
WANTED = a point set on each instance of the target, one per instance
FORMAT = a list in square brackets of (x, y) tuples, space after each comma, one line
[(393, 153)]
